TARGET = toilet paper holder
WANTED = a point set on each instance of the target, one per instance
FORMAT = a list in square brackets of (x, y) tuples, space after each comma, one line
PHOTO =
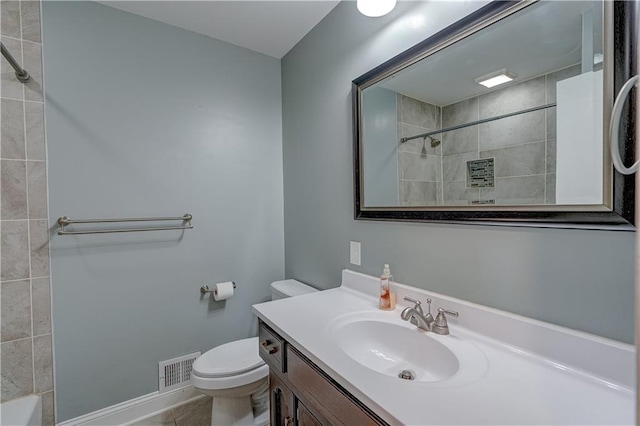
[(205, 288)]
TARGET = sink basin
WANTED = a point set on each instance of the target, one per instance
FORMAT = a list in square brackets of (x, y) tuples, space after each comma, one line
[(383, 343), (390, 348)]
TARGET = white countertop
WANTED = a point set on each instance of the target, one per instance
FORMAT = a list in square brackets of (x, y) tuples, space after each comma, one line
[(516, 386)]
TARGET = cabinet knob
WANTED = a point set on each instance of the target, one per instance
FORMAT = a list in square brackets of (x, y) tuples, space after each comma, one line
[(273, 351), (266, 343), (287, 421)]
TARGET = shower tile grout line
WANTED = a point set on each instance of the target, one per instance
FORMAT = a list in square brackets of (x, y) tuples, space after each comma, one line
[(20, 39), (21, 100), (22, 220), (23, 279), (26, 338), (21, 159)]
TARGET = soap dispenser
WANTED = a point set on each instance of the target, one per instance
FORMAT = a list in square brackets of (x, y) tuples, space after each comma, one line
[(387, 297)]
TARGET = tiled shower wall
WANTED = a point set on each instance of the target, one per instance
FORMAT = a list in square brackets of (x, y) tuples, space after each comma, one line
[(419, 170), (523, 146), (25, 293)]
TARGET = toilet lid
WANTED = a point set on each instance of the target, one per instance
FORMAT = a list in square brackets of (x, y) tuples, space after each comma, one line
[(291, 288), (230, 359)]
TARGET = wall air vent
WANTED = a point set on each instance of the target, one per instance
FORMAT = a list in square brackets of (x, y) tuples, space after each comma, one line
[(175, 373)]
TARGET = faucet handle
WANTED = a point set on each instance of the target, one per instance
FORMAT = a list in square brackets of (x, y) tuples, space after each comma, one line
[(445, 311), (412, 300), (441, 319), (440, 326), (417, 303)]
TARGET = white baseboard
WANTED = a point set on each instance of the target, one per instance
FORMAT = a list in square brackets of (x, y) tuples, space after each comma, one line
[(137, 409)]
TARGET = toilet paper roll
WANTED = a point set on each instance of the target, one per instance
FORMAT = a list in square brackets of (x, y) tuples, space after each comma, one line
[(223, 291)]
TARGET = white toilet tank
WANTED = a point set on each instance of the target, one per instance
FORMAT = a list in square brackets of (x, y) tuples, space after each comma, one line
[(289, 288)]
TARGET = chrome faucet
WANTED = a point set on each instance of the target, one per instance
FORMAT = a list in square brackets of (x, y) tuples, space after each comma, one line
[(416, 315), (426, 322)]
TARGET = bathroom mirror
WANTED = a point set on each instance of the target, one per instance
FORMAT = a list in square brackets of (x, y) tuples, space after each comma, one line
[(501, 118)]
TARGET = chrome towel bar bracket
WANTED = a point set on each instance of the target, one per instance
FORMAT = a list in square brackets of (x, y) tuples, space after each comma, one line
[(66, 221)]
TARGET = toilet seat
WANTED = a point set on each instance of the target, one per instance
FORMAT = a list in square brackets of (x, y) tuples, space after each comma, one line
[(230, 359), (231, 365)]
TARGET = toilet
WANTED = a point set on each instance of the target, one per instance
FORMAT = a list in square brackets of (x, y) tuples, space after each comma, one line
[(235, 375)]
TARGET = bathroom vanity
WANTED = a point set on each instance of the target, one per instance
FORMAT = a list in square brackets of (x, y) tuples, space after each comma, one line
[(334, 358)]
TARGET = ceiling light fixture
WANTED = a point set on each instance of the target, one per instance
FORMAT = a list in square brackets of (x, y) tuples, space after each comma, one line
[(496, 78), (375, 8)]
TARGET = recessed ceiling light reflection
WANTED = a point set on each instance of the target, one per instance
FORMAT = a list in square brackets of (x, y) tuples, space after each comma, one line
[(496, 78)]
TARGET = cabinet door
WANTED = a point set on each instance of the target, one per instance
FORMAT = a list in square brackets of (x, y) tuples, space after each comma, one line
[(281, 402), (327, 400), (305, 418)]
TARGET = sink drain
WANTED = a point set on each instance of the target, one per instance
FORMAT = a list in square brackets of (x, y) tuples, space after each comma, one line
[(406, 375)]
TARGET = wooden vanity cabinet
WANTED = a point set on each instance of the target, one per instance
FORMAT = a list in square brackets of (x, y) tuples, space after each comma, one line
[(302, 394), (305, 418), (281, 401)]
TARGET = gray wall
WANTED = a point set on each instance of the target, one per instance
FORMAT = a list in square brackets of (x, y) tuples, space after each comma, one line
[(576, 278), (25, 332), (380, 159), (145, 119)]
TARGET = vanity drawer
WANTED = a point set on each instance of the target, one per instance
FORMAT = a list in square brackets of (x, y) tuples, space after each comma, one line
[(325, 399), (271, 347)]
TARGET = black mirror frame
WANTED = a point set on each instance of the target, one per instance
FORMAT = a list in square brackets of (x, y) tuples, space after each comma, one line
[(621, 217)]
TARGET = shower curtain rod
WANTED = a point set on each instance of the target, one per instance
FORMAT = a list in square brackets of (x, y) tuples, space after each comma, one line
[(473, 123), (21, 73)]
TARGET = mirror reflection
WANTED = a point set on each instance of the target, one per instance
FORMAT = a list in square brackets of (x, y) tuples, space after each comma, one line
[(511, 115)]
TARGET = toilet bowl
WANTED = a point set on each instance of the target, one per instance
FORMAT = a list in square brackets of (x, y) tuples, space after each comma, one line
[(235, 375)]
